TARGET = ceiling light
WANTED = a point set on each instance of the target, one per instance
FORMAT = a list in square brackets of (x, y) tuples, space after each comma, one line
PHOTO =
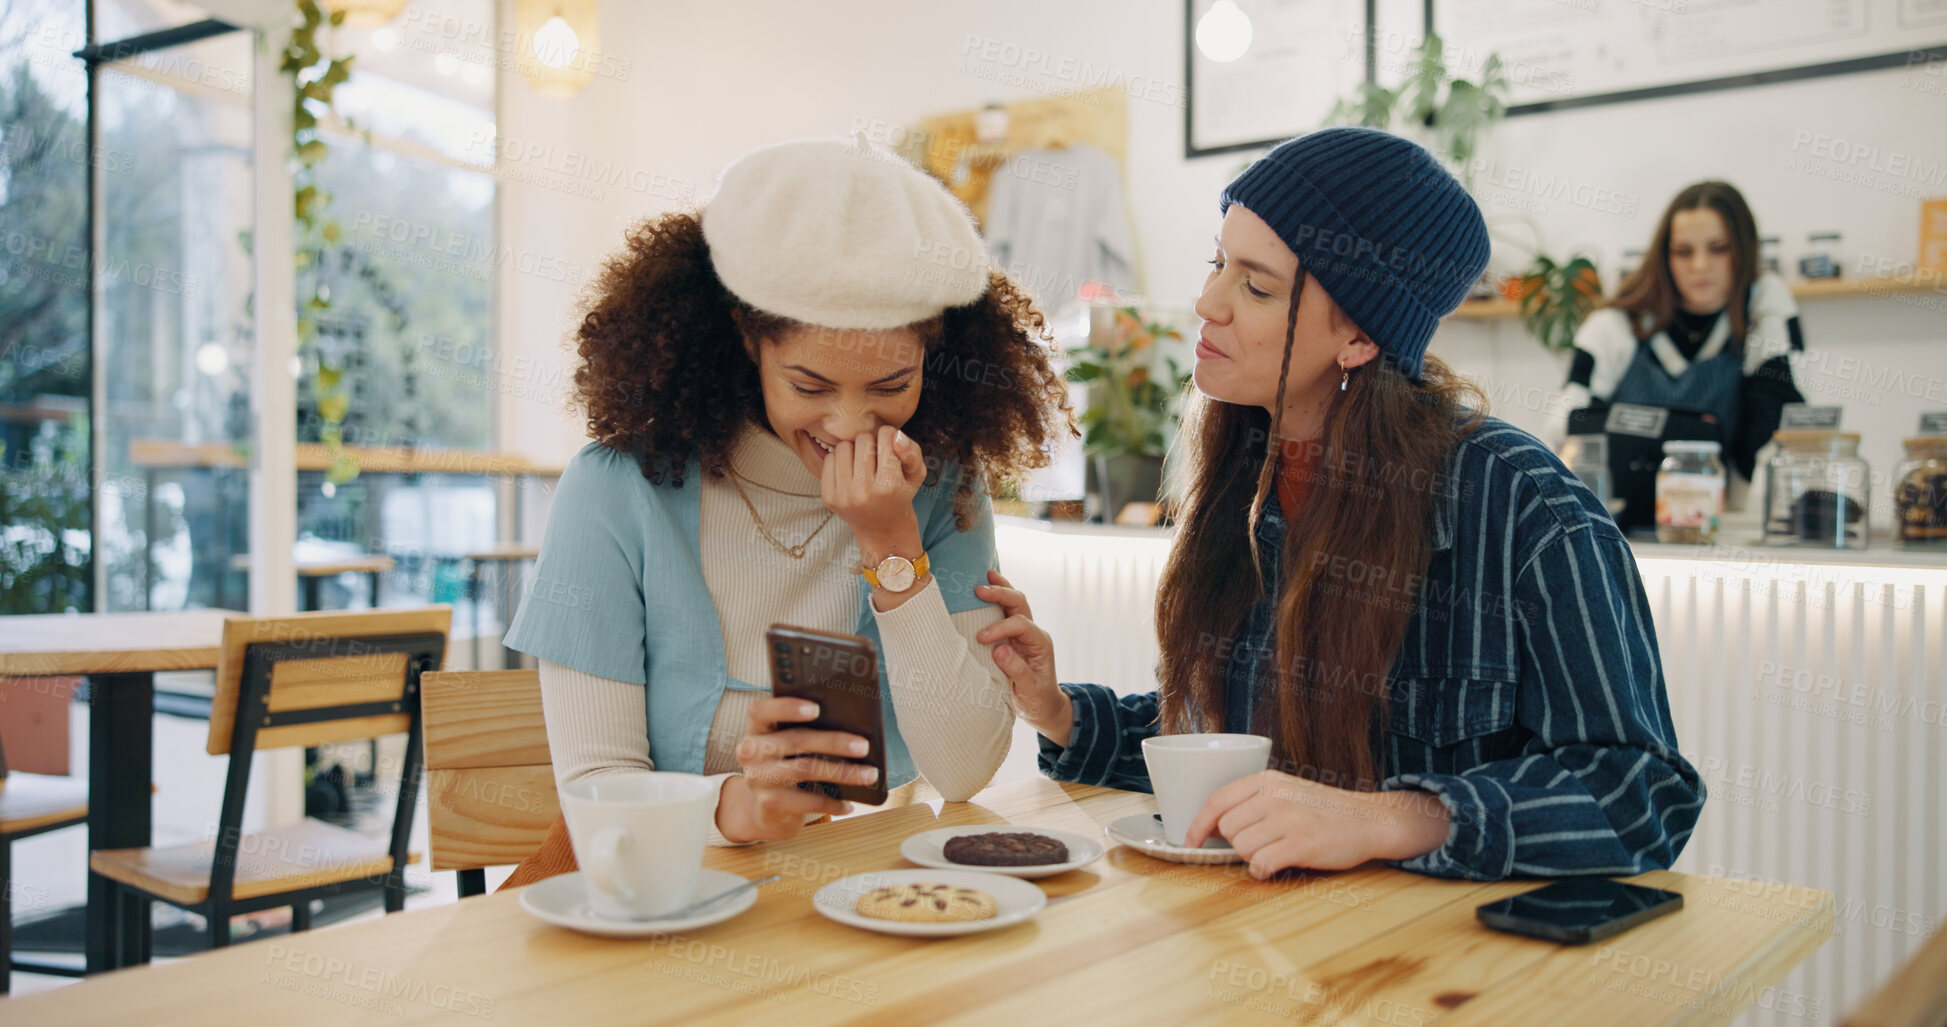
[(1224, 32)]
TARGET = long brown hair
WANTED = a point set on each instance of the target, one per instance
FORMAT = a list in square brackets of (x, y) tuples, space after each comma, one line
[(1648, 297), (1353, 554)]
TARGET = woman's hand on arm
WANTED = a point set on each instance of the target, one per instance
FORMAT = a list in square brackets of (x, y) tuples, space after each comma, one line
[(1026, 655), (1276, 820), (764, 803)]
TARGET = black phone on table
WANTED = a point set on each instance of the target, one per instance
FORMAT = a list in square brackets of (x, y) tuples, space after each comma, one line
[(1579, 910), (841, 674)]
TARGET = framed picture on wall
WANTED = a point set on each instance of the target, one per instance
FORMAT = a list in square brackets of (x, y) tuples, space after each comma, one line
[(1261, 71), (1560, 56)]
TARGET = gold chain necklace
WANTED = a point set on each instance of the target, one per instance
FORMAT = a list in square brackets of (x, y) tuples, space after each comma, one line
[(794, 552)]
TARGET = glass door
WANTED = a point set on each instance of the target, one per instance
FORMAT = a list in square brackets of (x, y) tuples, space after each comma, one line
[(173, 326)]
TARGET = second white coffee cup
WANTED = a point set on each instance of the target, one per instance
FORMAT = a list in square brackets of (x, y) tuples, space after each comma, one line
[(639, 838), (1185, 770)]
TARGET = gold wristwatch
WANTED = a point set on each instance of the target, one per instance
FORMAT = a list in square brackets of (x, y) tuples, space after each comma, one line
[(896, 573)]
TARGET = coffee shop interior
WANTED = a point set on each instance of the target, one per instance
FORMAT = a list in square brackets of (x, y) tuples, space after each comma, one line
[(288, 304)]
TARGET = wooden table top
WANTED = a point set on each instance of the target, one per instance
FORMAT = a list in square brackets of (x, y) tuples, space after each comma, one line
[(503, 551), (110, 643), (327, 567), (1127, 939), (314, 456)]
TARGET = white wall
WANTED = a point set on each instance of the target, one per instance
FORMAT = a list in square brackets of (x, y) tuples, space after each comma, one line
[(705, 82), (709, 81)]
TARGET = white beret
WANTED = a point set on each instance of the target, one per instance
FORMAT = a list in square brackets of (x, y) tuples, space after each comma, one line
[(842, 234)]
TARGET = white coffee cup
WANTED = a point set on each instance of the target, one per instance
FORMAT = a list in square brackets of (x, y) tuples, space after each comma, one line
[(1185, 770), (638, 837)]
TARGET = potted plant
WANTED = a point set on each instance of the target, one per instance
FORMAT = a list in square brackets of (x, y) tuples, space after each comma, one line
[(1131, 401), (1453, 110), (1555, 298)]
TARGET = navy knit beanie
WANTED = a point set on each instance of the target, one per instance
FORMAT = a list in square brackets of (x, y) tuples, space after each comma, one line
[(1383, 227)]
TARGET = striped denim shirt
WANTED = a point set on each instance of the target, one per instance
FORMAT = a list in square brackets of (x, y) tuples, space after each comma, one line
[(1528, 695)]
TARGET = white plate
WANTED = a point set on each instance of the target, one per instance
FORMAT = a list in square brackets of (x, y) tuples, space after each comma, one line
[(1018, 900), (928, 850), (563, 901), (1144, 833)]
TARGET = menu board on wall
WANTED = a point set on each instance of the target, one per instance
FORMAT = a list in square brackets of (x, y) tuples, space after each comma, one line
[(1576, 49), (1303, 57)]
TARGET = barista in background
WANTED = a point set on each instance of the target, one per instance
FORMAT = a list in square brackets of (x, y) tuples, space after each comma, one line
[(1699, 326)]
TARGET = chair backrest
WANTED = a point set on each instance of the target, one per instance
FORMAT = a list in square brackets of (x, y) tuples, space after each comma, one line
[(490, 795), (333, 675), (312, 678), (1916, 994)]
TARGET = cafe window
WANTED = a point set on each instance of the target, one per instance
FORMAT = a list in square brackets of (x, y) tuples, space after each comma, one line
[(395, 311), (46, 525), (174, 328), (405, 329)]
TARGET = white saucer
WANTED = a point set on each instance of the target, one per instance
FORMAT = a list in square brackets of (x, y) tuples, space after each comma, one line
[(927, 849), (1144, 833), (1018, 900), (563, 901)]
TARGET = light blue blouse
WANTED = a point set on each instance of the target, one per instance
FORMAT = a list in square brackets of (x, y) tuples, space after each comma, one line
[(618, 592)]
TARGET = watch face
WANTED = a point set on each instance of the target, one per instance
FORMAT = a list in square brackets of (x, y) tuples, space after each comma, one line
[(895, 574)]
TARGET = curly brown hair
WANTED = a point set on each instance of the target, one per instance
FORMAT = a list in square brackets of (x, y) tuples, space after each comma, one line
[(664, 375)]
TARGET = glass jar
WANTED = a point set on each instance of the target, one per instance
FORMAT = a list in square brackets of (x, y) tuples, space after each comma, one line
[(1920, 493), (1821, 259), (1587, 457), (1816, 491), (1689, 492)]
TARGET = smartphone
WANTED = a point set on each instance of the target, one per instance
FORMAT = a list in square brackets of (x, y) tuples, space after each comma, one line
[(841, 674), (1579, 910)]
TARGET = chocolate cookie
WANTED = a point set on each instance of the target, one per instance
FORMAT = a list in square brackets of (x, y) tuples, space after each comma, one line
[(924, 903), (1018, 849)]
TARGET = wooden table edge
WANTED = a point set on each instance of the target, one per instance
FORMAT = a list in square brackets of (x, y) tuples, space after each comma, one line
[(1792, 943)]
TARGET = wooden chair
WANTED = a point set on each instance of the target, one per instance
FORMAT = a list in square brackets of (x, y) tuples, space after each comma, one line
[(1916, 994), (301, 680), (31, 804), (490, 795)]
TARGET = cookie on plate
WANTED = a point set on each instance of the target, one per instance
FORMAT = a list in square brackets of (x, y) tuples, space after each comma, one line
[(927, 903), (1013, 849)]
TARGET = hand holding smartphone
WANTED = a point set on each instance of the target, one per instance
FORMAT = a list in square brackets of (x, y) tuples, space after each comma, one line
[(841, 674)]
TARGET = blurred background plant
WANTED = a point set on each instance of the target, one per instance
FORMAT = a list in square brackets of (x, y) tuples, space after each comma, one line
[(1555, 298), (1453, 110), (44, 523), (1131, 400)]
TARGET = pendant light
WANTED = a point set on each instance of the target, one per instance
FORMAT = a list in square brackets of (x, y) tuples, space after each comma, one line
[(1224, 32), (558, 44)]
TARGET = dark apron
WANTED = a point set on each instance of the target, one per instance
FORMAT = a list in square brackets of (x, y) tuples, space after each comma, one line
[(1708, 386)]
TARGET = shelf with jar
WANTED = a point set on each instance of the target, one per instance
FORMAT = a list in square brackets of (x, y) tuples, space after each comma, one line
[(1816, 289)]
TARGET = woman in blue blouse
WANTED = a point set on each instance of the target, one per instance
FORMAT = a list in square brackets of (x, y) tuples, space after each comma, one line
[(798, 397), (1441, 630)]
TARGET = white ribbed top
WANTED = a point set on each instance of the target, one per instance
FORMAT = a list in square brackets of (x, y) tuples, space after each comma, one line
[(951, 700)]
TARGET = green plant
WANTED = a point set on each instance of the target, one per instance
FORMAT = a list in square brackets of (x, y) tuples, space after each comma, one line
[(317, 74), (44, 504), (1128, 405), (1555, 298), (1454, 109)]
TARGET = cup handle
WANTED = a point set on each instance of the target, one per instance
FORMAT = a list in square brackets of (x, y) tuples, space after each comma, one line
[(603, 859)]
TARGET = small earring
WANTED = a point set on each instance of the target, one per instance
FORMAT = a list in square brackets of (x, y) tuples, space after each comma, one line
[(1344, 377)]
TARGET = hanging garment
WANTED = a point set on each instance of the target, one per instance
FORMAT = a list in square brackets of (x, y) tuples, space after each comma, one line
[(1055, 221)]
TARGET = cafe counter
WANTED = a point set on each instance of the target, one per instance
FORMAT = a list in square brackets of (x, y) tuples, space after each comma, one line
[(1806, 685)]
